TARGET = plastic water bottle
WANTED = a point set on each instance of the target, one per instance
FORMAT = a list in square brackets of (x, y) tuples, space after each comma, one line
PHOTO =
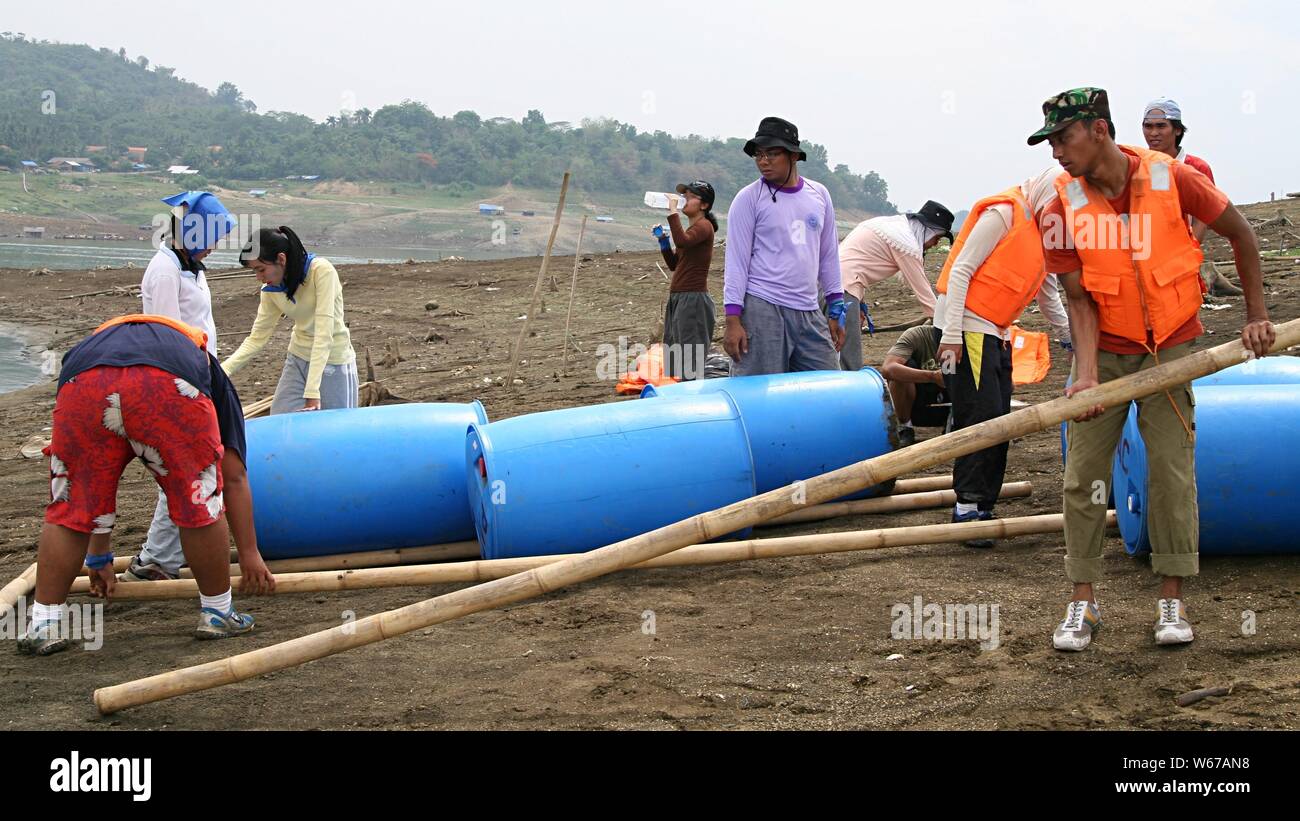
[(658, 199)]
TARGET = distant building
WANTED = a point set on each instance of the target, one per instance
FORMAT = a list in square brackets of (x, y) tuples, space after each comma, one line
[(135, 154), (139, 167), (30, 164), (95, 149), (311, 177), (604, 219), (34, 233), (528, 213), (489, 210), (258, 192), (181, 170), (70, 164)]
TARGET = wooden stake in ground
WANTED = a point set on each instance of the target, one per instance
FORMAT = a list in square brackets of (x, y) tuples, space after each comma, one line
[(573, 287), (422, 575), (701, 528), (537, 291)]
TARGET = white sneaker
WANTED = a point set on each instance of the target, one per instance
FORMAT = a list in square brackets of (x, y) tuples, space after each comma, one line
[(1075, 632), (1172, 626)]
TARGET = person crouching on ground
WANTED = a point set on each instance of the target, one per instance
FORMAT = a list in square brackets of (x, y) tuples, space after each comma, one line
[(916, 385), (144, 387)]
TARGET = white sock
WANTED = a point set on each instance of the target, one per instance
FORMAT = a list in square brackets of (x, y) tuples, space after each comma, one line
[(47, 612), (964, 508), (222, 604), (906, 425)]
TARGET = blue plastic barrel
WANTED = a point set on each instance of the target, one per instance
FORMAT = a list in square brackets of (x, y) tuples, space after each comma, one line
[(569, 481), (1247, 472), (804, 424), (359, 479), (1271, 370)]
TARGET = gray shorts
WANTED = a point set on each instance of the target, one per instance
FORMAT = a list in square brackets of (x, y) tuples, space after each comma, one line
[(783, 340), (851, 354), (338, 386), (688, 331)]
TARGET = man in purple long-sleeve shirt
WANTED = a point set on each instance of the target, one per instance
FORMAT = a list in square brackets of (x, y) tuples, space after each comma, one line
[(782, 254)]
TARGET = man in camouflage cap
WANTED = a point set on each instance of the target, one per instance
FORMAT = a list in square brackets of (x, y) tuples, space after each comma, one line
[(1107, 235)]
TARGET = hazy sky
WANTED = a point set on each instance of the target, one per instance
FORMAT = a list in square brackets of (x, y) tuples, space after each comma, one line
[(937, 97)]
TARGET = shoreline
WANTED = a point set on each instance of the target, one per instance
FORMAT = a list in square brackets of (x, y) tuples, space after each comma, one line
[(35, 340)]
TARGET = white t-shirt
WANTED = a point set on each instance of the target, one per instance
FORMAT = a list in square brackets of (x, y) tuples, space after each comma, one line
[(168, 291)]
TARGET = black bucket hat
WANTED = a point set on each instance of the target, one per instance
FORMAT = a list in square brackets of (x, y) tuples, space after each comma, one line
[(699, 188), (774, 132), (934, 215)]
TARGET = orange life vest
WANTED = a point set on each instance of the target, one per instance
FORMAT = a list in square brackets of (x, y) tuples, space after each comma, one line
[(1004, 285), (1143, 280), (195, 335)]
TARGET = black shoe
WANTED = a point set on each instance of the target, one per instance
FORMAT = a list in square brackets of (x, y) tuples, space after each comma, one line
[(906, 436), (975, 516)]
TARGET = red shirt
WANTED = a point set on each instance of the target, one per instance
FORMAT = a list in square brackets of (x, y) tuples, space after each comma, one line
[(1199, 164), (1198, 198)]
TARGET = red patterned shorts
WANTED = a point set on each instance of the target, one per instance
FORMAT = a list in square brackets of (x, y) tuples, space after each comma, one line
[(104, 418)]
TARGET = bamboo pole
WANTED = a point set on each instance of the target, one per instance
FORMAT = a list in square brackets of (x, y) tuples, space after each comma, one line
[(421, 575), (340, 561), (573, 287), (700, 528), (17, 589), (537, 291), (888, 504), (921, 484)]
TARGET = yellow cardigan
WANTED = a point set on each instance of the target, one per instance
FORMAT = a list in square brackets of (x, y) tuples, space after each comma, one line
[(319, 333)]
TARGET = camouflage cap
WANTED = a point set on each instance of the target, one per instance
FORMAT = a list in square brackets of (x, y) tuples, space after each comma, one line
[(1071, 106)]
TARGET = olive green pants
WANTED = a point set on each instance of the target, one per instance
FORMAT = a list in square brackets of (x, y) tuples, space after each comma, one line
[(1172, 516)]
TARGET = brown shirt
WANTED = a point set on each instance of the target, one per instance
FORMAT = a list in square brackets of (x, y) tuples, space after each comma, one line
[(690, 262)]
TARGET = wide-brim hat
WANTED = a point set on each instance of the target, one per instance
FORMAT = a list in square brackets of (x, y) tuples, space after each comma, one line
[(774, 132), (933, 215)]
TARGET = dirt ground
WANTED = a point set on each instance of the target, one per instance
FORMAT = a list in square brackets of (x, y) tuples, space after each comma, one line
[(791, 643)]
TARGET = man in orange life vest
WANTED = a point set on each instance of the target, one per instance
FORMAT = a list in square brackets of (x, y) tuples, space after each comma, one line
[(994, 270), (1119, 239)]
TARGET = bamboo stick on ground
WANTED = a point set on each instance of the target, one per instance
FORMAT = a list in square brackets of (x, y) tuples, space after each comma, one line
[(340, 561), (479, 571), (888, 504), (700, 528), (24, 583)]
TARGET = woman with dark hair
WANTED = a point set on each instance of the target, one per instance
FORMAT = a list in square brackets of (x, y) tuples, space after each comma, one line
[(320, 372), (690, 316)]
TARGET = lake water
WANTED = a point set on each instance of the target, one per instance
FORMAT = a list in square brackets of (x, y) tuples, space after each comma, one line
[(18, 368), (80, 255)]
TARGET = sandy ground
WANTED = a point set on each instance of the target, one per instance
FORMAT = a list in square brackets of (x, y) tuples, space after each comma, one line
[(797, 643)]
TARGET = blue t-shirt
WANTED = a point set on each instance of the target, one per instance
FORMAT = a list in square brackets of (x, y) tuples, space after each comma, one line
[(165, 348)]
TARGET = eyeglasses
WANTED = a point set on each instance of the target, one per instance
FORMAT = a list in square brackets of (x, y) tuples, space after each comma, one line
[(769, 155)]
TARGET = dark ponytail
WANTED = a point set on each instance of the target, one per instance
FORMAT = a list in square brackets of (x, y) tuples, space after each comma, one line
[(270, 243), (708, 215)]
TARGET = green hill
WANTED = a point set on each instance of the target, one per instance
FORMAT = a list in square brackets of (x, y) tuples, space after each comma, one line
[(102, 98)]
